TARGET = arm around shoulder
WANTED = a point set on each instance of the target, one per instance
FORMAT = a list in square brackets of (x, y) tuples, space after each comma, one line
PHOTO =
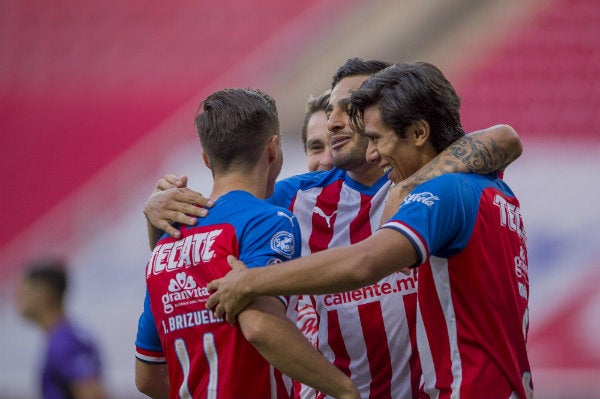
[(334, 270), (482, 152), (503, 144)]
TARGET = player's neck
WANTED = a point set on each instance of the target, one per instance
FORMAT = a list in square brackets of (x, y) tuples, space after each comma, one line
[(49, 318), (253, 183), (367, 174)]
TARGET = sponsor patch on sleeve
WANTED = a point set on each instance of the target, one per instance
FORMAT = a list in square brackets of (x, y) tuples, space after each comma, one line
[(283, 243)]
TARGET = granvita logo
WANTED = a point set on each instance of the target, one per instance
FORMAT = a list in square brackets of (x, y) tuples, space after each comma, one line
[(183, 290)]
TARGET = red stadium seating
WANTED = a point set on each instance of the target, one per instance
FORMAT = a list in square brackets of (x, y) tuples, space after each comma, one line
[(81, 82), (546, 80)]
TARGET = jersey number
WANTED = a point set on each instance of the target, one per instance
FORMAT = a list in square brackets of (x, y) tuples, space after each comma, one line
[(210, 351)]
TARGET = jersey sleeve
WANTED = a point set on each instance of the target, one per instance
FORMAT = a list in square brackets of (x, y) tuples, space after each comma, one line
[(147, 343), (270, 239), (438, 216)]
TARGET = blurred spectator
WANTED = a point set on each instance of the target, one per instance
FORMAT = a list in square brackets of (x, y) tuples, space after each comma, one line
[(71, 366), (315, 134)]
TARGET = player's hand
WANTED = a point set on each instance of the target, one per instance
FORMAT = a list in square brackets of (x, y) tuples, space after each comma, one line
[(230, 296), (171, 201), (171, 181)]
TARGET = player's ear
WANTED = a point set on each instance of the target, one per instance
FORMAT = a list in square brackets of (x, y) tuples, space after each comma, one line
[(420, 132), (273, 148), (205, 159)]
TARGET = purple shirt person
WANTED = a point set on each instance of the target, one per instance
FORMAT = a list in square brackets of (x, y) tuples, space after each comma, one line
[(71, 356), (71, 366)]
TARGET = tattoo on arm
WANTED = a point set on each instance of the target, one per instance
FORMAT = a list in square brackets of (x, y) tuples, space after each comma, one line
[(480, 156), (469, 154)]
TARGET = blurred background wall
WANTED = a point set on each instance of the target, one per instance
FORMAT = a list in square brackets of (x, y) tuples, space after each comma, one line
[(97, 102)]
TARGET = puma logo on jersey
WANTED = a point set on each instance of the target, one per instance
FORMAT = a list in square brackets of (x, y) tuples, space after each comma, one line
[(285, 215), (327, 218)]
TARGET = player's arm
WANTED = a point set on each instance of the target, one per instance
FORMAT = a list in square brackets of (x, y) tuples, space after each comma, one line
[(265, 325), (331, 271), (151, 376), (482, 152), (172, 202), (152, 379)]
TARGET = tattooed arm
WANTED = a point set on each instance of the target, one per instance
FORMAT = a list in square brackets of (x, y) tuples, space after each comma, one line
[(481, 152)]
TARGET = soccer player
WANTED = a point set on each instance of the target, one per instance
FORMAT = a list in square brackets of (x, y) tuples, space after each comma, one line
[(359, 335), (464, 232), (370, 334), (205, 356), (72, 367), (315, 135)]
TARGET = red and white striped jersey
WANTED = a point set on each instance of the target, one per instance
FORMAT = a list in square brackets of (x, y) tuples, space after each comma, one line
[(473, 294), (368, 333)]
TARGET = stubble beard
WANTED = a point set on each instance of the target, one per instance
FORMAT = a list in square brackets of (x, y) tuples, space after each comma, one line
[(350, 160)]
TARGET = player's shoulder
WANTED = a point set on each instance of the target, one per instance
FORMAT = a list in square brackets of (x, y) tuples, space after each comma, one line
[(266, 208), (310, 179), (267, 227), (430, 191), (274, 215), (237, 201), (68, 337), (450, 182), (453, 188), (256, 210)]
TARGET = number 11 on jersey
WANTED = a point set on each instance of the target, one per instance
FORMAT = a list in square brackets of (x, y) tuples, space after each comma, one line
[(210, 351)]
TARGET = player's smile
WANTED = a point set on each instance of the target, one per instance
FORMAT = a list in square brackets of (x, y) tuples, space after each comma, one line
[(389, 151), (338, 141)]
